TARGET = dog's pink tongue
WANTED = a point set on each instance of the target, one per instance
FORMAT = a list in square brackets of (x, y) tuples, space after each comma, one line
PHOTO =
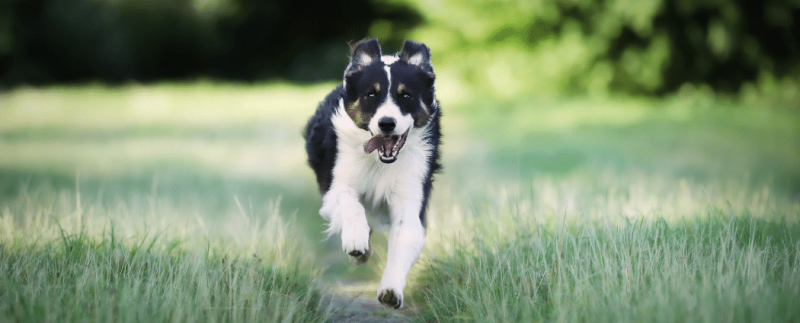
[(373, 144)]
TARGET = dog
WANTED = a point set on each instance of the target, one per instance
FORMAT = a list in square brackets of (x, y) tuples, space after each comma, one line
[(373, 144)]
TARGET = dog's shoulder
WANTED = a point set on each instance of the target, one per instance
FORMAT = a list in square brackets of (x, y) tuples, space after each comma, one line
[(320, 137), (321, 120)]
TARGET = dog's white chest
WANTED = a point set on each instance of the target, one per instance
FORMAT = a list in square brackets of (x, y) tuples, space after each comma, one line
[(378, 184), (378, 216)]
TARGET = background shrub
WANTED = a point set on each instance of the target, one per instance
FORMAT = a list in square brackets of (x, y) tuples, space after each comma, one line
[(499, 48)]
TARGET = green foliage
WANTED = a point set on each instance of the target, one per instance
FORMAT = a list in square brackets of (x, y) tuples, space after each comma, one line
[(503, 49), (652, 47)]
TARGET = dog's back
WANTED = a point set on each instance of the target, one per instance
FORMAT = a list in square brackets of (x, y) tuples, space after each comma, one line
[(321, 139)]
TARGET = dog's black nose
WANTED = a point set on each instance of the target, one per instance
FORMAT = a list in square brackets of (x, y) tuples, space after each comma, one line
[(386, 124)]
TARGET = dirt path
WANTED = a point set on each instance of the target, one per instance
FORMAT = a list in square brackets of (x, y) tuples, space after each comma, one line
[(358, 303), (351, 290)]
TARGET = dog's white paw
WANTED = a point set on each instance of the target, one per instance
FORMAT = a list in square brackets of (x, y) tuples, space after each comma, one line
[(391, 297), (355, 241)]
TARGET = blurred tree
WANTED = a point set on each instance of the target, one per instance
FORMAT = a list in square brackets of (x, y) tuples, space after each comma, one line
[(726, 43), (503, 48), (49, 41), (597, 46)]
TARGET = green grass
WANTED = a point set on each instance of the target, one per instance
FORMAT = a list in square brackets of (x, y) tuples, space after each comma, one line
[(715, 270), (102, 280), (522, 260), (193, 202), (146, 204), (619, 211), (129, 261)]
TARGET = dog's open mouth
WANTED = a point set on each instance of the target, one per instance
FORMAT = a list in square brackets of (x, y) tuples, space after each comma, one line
[(387, 145)]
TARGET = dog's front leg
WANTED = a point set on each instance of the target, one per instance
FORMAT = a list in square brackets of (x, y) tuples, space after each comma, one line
[(406, 241), (345, 214)]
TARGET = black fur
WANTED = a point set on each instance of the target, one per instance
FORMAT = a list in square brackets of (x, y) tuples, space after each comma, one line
[(434, 167), (321, 140)]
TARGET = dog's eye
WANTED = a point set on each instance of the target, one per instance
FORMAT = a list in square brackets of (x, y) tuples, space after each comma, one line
[(371, 95), (405, 95)]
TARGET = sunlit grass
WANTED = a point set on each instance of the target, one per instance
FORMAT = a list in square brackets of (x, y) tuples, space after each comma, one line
[(175, 106), (199, 131), (638, 212), (157, 203), (620, 209)]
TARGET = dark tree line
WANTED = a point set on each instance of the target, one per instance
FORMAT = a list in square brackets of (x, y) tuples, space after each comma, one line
[(54, 41), (716, 42), (763, 36)]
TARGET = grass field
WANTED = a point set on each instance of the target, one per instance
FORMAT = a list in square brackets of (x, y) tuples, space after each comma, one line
[(192, 202)]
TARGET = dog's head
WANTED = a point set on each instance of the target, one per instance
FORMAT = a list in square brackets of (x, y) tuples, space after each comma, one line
[(389, 96)]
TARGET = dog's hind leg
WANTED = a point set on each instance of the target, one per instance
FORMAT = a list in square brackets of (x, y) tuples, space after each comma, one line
[(345, 214), (406, 241)]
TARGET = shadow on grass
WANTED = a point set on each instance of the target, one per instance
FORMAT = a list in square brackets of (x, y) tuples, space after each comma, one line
[(215, 193), (229, 131), (701, 152), (194, 188)]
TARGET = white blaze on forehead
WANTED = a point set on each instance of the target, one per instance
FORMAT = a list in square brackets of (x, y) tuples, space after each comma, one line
[(390, 109), (388, 60), (388, 76)]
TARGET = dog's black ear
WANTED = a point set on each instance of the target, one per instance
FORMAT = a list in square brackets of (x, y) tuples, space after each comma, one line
[(362, 54), (415, 53), (419, 55)]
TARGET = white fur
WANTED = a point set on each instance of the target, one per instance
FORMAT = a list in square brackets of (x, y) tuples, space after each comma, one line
[(416, 59), (368, 193), (364, 59), (389, 60), (346, 215)]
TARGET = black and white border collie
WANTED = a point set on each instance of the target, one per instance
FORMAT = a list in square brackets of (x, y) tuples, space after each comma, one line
[(374, 146)]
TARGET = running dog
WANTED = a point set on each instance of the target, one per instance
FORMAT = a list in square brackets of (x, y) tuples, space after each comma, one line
[(374, 146)]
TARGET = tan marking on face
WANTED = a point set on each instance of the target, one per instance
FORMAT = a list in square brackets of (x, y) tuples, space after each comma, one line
[(377, 87), (400, 88), (354, 112), (422, 116)]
